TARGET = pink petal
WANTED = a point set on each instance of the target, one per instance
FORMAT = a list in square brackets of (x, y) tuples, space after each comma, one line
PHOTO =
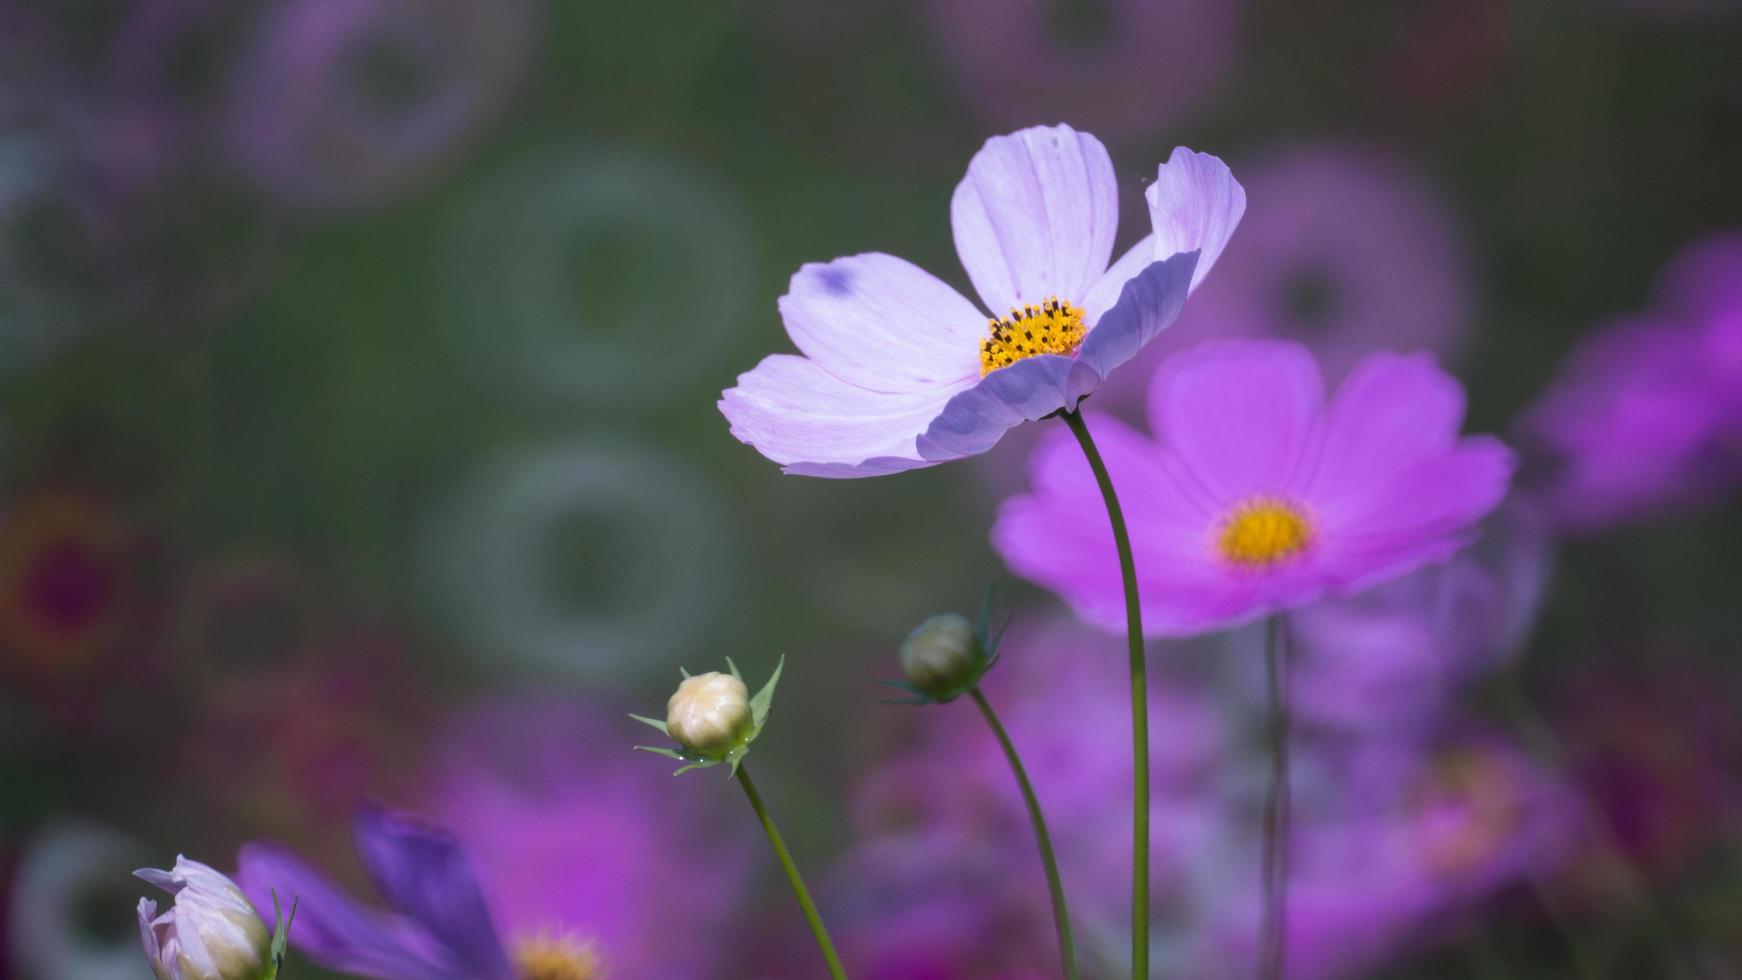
[(1421, 514), (1035, 216), (1392, 410), (1241, 415), (1060, 535), (883, 323)]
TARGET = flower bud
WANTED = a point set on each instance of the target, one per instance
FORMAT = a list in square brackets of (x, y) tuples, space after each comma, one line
[(709, 713), (942, 655), (211, 933)]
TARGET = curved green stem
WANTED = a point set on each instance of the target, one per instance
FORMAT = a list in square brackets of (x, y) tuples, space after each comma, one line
[(1055, 887), (1276, 804), (804, 896), (1139, 705)]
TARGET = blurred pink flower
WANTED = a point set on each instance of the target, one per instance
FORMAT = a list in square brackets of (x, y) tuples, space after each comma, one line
[(1258, 494)]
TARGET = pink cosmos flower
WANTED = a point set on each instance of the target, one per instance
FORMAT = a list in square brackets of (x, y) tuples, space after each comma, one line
[(1257, 494), (899, 371)]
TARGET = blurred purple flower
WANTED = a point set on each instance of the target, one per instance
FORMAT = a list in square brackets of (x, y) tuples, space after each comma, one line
[(1389, 835), (900, 371), (534, 784), (349, 103), (438, 928), (1123, 67), (1625, 426), (1258, 494), (1646, 415), (1392, 660), (1388, 839), (1703, 286), (521, 789), (1351, 253), (942, 819), (936, 906)]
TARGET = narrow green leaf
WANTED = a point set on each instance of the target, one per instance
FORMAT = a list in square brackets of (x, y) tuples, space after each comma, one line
[(986, 608), (997, 639), (651, 723)]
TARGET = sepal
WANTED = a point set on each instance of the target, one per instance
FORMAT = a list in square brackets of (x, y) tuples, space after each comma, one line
[(761, 705)]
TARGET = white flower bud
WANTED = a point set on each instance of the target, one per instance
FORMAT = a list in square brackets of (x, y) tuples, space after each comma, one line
[(941, 654), (211, 932), (709, 713)]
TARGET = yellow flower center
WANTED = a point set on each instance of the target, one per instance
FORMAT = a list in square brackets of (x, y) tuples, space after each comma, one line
[(1053, 327), (1263, 532), (549, 957)]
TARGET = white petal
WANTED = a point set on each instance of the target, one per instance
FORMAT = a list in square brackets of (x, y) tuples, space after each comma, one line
[(1035, 216), (800, 415), (880, 322), (1194, 205)]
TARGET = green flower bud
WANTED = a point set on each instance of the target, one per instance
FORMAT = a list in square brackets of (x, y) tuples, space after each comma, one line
[(942, 655)]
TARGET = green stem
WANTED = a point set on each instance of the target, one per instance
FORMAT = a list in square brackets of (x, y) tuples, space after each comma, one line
[(804, 896), (1139, 705), (1276, 805), (1055, 887)]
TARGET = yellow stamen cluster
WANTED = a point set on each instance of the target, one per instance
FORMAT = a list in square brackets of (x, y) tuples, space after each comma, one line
[(549, 957), (1053, 327), (1262, 532)]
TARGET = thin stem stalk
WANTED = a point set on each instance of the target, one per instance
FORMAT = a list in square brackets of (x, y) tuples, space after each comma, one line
[(804, 896), (1276, 805), (1139, 704), (1055, 886)]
